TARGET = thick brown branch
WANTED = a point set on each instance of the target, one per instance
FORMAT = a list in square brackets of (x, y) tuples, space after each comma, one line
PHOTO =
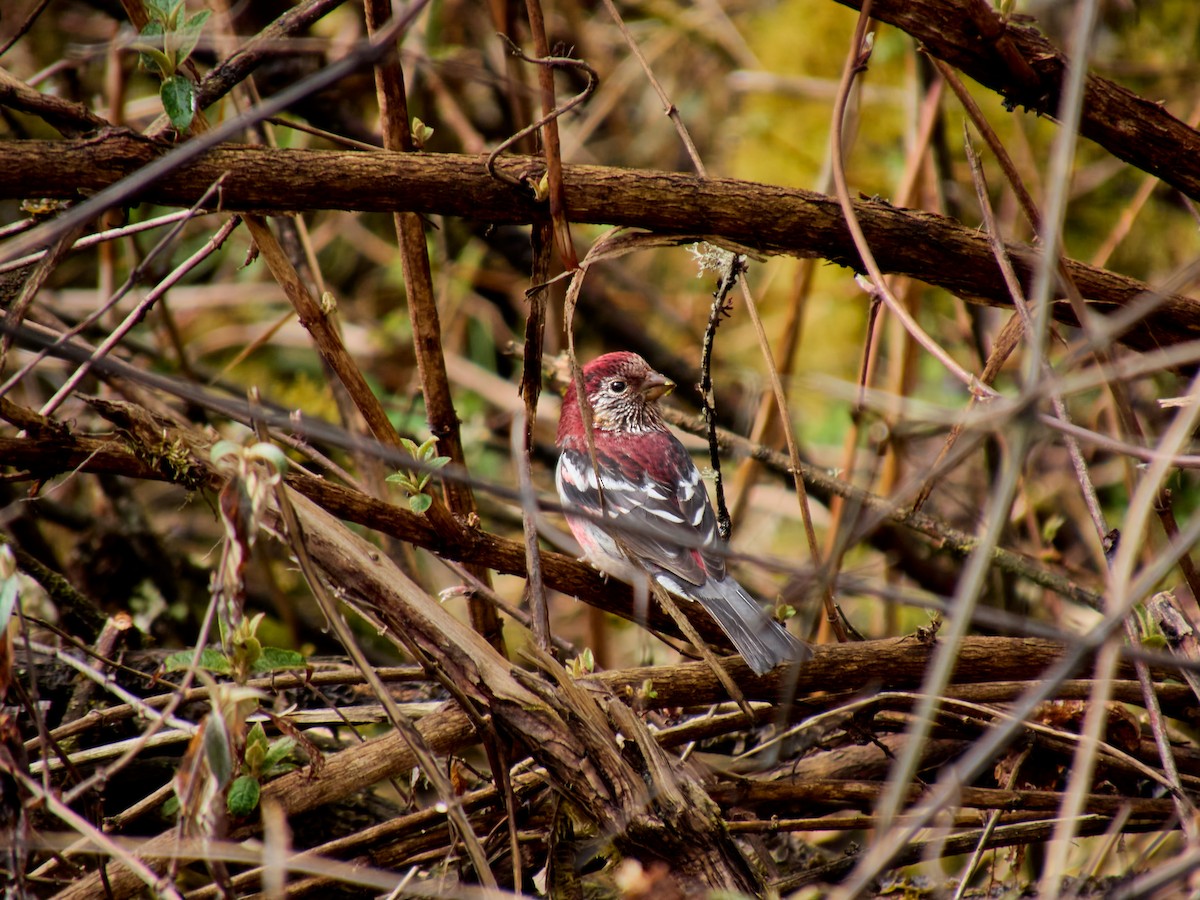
[(65, 116), (47, 455), (268, 44), (780, 796), (933, 249), (1019, 63), (52, 455)]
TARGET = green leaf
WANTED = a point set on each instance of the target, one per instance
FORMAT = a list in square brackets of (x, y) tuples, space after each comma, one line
[(174, 14), (420, 503), (256, 735), (179, 100), (397, 478), (189, 34), (150, 50), (411, 446), (216, 749), (210, 661), (247, 652), (256, 752), (420, 133), (278, 753), (243, 796), (438, 461), (1052, 526), (159, 10), (276, 659), (8, 600)]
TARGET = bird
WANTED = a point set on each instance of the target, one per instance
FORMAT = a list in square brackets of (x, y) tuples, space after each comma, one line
[(662, 522)]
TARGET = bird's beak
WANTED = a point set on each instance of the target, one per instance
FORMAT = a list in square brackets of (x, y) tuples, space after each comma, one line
[(656, 385)]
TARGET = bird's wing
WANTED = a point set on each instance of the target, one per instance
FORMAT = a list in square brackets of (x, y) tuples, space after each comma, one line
[(656, 500)]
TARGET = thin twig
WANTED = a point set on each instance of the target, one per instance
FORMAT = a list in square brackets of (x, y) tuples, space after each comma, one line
[(531, 389), (795, 467), (110, 234), (136, 274), (547, 118), (551, 146), (721, 308), (460, 509), (668, 106), (127, 188), (856, 63), (139, 312), (429, 766)]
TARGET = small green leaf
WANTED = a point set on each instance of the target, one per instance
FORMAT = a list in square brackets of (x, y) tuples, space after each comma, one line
[(410, 445), (256, 736), (243, 796), (1052, 526), (256, 750), (174, 15), (420, 503), (179, 100), (247, 652), (150, 50), (420, 133), (210, 661), (276, 659), (8, 599), (426, 448), (278, 753), (406, 481), (189, 34), (583, 664), (216, 749), (438, 461), (159, 10)]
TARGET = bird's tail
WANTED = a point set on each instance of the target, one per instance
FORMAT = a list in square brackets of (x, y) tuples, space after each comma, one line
[(761, 640)]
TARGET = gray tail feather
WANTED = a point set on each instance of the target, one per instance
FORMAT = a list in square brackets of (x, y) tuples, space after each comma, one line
[(761, 640)]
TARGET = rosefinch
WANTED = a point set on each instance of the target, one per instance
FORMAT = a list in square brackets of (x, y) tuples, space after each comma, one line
[(663, 522)]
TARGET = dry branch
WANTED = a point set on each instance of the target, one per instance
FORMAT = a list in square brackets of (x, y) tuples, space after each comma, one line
[(1020, 64), (930, 248), (864, 794), (49, 453)]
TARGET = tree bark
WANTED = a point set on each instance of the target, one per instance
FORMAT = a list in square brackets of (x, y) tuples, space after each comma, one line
[(1019, 63), (763, 217)]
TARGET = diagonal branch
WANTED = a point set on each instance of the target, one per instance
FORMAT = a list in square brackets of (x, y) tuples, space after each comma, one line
[(1025, 68)]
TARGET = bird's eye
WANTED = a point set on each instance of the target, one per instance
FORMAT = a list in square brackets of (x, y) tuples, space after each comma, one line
[(618, 387)]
